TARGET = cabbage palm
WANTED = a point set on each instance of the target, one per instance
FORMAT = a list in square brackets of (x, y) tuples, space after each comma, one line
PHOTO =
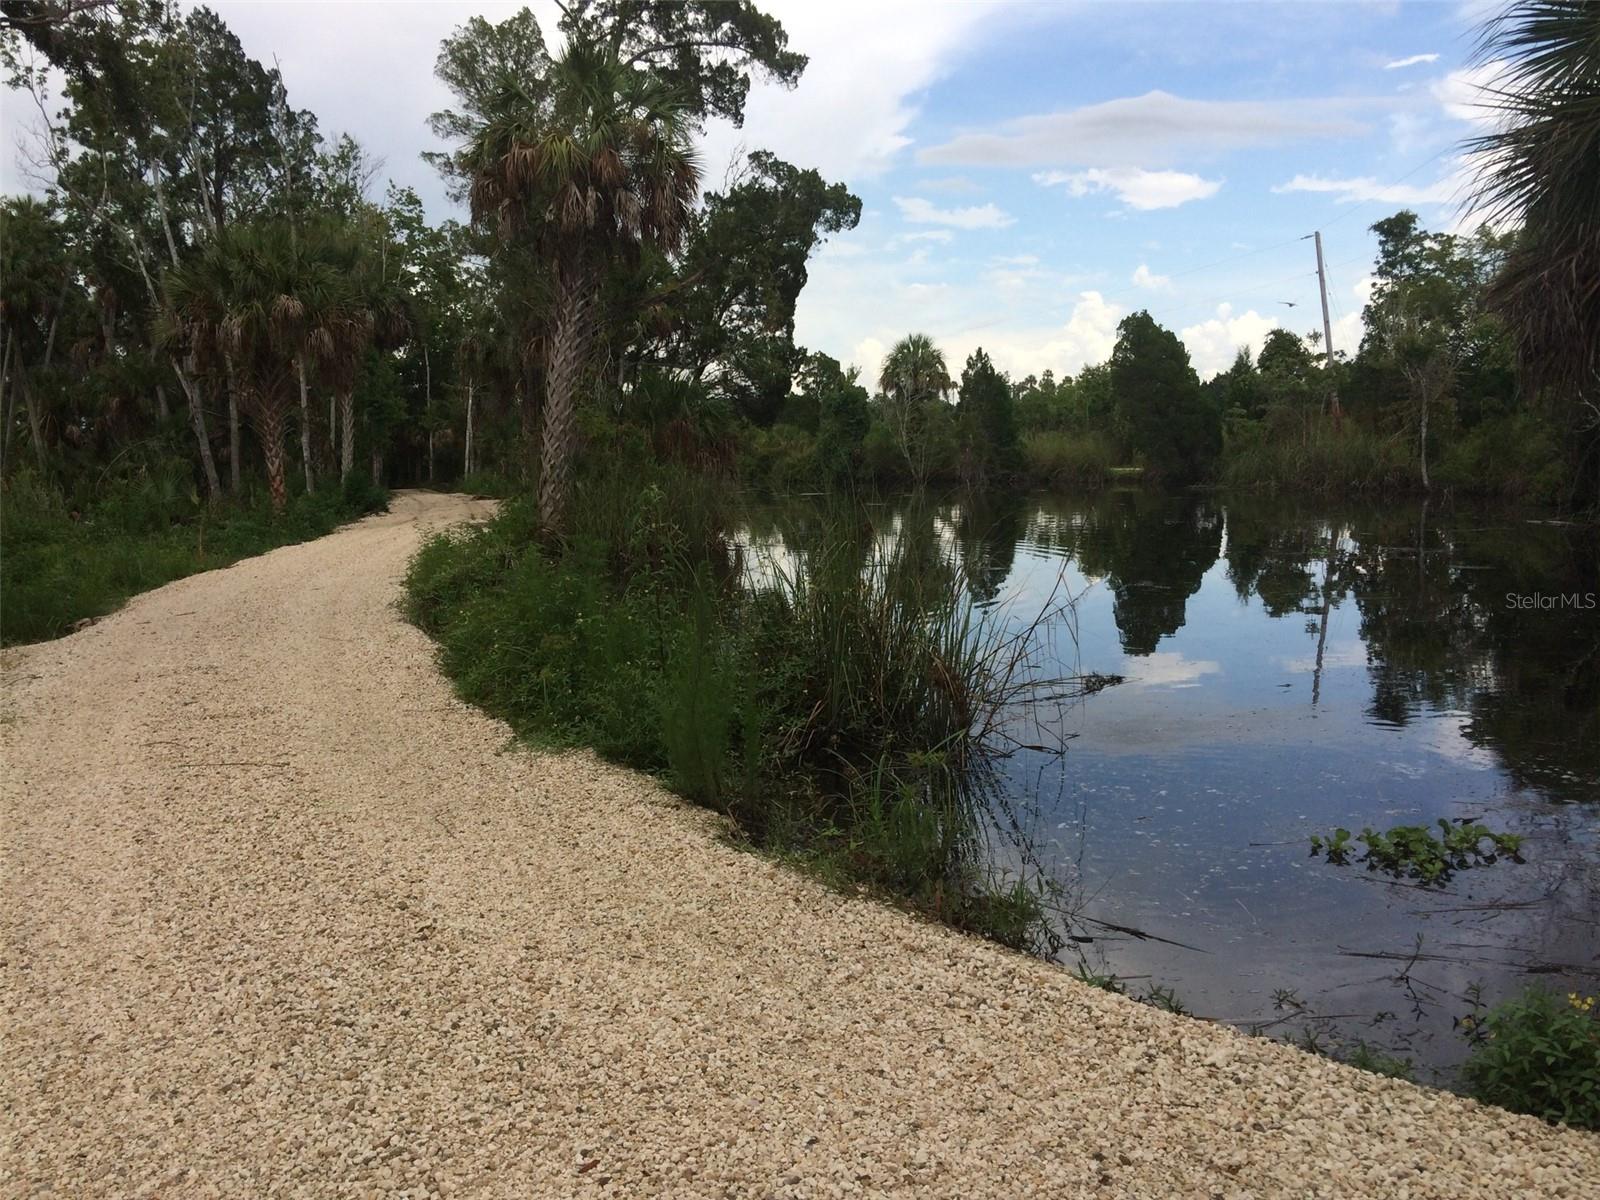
[(587, 166), (356, 306), (247, 300), (1540, 168), (33, 275), (914, 376)]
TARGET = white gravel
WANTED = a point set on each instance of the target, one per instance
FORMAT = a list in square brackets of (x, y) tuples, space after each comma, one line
[(282, 917)]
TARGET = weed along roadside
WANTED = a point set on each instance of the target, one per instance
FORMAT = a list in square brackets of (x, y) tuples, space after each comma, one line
[(843, 708)]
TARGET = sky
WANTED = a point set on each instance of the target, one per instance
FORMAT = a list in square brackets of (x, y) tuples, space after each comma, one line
[(1030, 172)]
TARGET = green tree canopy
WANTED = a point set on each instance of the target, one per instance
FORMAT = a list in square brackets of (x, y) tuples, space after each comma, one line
[(1159, 400)]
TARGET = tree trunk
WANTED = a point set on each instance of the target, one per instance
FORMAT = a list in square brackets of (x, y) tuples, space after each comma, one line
[(162, 411), (305, 426), (8, 401), (333, 441), (197, 421), (377, 466), (30, 402), (347, 445), (1423, 446), (566, 349), (233, 430), (466, 458), (427, 402), (269, 432)]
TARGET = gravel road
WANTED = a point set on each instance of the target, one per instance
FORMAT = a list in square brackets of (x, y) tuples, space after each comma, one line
[(283, 918)]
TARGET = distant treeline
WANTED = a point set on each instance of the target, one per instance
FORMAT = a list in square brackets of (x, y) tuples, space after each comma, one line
[(206, 293)]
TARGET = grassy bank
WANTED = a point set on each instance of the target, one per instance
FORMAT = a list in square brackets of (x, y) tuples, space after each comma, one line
[(1512, 457), (65, 559), (842, 707)]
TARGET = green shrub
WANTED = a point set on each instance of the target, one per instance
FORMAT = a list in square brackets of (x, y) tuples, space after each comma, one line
[(486, 483), (1539, 1053), (697, 711), (780, 460), (71, 558), (1515, 457)]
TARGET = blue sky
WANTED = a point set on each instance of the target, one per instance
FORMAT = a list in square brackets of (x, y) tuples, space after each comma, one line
[(1030, 172)]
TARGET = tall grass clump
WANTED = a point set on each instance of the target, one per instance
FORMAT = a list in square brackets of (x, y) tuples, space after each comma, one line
[(1057, 459), (841, 708), (1317, 458), (66, 558)]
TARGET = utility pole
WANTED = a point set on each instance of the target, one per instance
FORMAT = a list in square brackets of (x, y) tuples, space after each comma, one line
[(1327, 330)]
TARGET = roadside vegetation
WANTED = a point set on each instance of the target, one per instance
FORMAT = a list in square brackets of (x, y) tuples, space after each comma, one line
[(842, 711), (71, 559), (1539, 1053)]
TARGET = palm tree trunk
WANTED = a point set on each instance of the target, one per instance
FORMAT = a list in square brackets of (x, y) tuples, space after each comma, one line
[(30, 402), (466, 460), (269, 422), (8, 401), (162, 409), (305, 426), (1422, 445), (566, 348), (197, 421), (333, 440), (233, 430), (347, 443)]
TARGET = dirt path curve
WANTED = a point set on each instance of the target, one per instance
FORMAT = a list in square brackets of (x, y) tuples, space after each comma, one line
[(281, 917)]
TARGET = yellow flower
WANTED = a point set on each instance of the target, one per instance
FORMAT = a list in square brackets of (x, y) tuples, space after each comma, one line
[(1582, 1003)]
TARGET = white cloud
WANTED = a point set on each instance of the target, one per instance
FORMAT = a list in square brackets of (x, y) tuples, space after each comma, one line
[(1135, 187), (1365, 188), (1468, 94), (926, 235), (1146, 130), (870, 63), (869, 354), (1166, 668), (981, 216), (1087, 337), (1214, 344), (1145, 278), (848, 117), (1018, 260), (1411, 61), (955, 184), (1348, 331)]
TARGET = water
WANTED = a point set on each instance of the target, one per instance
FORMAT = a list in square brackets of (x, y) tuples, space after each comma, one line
[(1286, 670)]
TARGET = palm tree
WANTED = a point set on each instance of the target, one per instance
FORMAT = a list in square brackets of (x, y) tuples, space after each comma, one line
[(33, 279), (356, 306), (243, 301), (1541, 168), (914, 375), (590, 166)]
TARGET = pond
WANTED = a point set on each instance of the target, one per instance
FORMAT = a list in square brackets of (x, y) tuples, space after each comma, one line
[(1285, 670)]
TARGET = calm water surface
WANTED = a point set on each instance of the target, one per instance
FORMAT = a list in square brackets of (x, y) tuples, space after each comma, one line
[(1286, 670)]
